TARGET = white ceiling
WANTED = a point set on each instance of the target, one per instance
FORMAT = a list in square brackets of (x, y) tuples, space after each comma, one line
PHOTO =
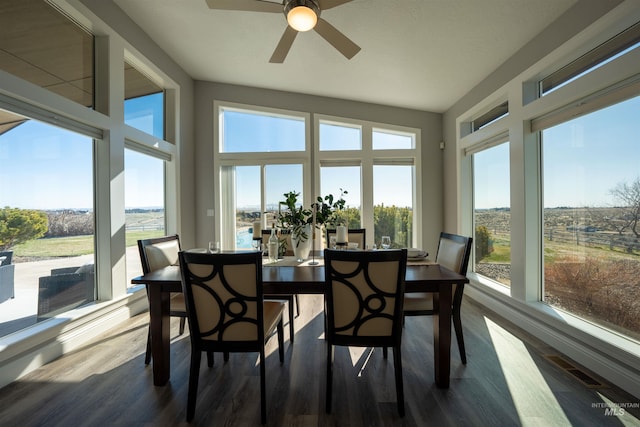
[(421, 54)]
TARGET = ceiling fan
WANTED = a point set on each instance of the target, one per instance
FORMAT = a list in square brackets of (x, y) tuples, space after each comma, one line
[(302, 15)]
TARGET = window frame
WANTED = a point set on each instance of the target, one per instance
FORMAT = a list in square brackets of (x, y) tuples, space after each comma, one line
[(367, 158)]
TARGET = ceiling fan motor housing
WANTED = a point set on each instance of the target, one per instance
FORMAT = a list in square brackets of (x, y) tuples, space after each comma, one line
[(311, 4)]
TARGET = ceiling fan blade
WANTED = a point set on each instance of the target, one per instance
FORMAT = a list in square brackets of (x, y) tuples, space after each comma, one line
[(245, 5), (338, 40), (330, 4), (284, 45)]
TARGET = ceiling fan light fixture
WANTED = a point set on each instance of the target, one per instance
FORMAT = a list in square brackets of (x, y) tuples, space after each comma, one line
[(302, 15)]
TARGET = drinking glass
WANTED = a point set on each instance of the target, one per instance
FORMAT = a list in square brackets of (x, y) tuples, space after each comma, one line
[(332, 242), (255, 243), (386, 242), (214, 247)]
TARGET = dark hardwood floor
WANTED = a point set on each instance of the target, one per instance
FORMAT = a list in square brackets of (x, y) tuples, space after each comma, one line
[(508, 381)]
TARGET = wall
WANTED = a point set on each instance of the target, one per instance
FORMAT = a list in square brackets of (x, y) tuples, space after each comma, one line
[(429, 123)]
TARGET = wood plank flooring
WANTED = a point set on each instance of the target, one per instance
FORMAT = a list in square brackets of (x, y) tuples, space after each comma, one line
[(508, 381)]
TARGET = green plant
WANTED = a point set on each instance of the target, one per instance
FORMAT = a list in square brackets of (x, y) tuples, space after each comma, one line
[(20, 225), (330, 211), (295, 218), (484, 245)]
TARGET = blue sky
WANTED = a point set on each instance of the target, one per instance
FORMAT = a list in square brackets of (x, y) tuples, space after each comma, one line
[(44, 167), (583, 159)]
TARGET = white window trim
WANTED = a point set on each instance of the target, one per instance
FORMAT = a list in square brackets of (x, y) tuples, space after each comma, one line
[(224, 227), (366, 158)]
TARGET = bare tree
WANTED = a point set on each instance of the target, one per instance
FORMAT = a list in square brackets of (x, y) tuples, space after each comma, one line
[(628, 195)]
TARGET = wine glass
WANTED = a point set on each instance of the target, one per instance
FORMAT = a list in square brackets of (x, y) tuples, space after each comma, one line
[(255, 243), (386, 242)]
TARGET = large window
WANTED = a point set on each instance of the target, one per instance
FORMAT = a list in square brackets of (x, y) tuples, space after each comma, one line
[(377, 166), (46, 222), (144, 203), (592, 216), (251, 189), (260, 156), (492, 213), (264, 153)]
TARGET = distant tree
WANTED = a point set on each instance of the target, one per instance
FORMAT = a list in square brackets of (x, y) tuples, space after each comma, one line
[(483, 242), (628, 195), (20, 225)]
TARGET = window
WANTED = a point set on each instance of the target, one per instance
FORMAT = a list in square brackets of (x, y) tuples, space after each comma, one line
[(261, 154), (337, 136), (144, 204), (260, 157), (37, 58), (393, 204), (385, 140), (492, 213), (619, 45), (144, 102), (255, 132), (377, 164), (591, 216), (47, 197), (337, 179)]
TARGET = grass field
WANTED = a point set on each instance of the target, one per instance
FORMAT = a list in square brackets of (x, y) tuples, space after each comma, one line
[(72, 246)]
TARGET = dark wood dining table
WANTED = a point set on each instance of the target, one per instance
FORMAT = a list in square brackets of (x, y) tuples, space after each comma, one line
[(304, 279)]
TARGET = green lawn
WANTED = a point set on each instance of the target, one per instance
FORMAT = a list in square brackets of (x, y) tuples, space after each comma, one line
[(73, 246)]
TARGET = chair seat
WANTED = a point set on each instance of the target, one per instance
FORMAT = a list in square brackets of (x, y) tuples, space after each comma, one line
[(272, 314), (418, 301)]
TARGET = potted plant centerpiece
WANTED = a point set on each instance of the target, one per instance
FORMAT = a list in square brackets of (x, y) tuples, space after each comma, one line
[(300, 220)]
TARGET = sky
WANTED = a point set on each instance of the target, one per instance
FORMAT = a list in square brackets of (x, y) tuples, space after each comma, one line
[(44, 167), (583, 159), (273, 134)]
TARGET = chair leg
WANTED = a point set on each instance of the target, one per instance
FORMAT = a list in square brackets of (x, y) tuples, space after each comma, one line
[(292, 330), (225, 356), (147, 355), (263, 389), (330, 354), (297, 305), (281, 340), (385, 352), (182, 322), (397, 363), (457, 325), (194, 372), (210, 359)]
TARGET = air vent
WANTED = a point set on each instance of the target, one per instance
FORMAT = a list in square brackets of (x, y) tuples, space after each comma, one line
[(586, 379)]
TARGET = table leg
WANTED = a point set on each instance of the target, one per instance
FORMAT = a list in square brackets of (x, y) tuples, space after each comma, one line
[(159, 320), (442, 335)]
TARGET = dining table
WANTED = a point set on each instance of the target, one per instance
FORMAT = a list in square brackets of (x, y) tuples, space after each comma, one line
[(290, 277)]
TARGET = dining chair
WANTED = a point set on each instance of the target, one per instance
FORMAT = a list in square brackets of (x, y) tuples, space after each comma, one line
[(453, 253), (363, 306), (155, 254), (292, 299), (356, 235), (227, 312)]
